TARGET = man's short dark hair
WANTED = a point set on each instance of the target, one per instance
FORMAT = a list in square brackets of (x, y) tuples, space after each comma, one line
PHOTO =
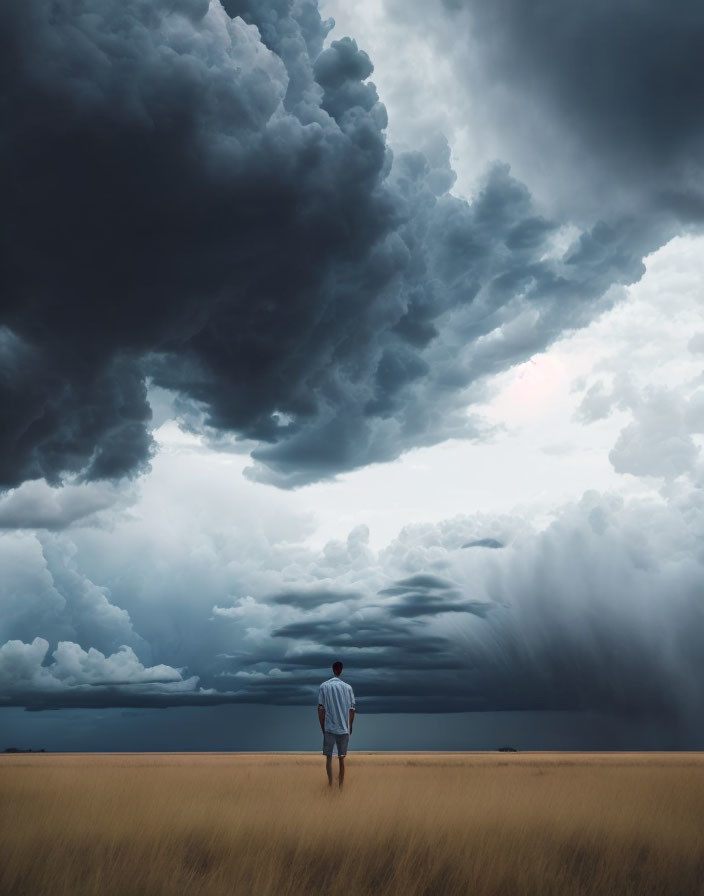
[(337, 667)]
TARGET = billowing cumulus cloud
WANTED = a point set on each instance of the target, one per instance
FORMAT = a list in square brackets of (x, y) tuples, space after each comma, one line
[(35, 505), (659, 440), (85, 678), (43, 593), (201, 195)]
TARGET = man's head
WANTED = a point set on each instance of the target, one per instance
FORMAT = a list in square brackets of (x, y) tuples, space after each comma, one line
[(337, 667)]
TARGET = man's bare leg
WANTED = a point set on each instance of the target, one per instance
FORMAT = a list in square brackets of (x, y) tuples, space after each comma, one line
[(328, 768), (341, 760)]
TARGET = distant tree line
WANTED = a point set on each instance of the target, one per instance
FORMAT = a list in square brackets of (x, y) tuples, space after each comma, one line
[(17, 750)]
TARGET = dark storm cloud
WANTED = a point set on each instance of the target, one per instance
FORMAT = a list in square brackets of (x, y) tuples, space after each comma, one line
[(484, 543), (414, 605), (612, 88), (599, 612), (306, 599), (112, 697), (389, 655), (380, 632), (428, 595), (429, 656), (206, 198), (418, 582)]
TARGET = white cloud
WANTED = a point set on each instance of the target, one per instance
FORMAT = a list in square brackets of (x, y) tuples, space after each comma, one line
[(42, 592), (696, 343), (75, 672), (37, 505), (658, 441), (75, 666)]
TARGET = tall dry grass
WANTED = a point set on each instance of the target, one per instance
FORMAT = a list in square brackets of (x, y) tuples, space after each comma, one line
[(430, 824)]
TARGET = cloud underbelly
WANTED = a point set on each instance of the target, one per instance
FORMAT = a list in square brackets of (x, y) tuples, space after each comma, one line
[(202, 197)]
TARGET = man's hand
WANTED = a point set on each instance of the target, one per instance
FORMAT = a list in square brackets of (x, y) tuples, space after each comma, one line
[(351, 721), (321, 717)]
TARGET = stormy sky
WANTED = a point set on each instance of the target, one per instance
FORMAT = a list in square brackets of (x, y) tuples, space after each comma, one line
[(368, 332)]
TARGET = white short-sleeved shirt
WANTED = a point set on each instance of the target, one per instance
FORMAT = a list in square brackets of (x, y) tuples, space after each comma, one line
[(337, 698)]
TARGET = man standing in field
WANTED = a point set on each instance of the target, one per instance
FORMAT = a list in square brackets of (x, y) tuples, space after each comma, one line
[(336, 716)]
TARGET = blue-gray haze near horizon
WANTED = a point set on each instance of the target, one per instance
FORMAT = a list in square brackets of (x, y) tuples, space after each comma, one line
[(199, 200)]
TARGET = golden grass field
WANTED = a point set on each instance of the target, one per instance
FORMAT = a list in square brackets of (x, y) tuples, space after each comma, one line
[(470, 823)]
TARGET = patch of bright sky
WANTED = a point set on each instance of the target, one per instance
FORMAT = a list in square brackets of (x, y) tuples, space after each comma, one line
[(542, 454)]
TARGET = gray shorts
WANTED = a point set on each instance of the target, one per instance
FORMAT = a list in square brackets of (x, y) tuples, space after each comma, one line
[(329, 741)]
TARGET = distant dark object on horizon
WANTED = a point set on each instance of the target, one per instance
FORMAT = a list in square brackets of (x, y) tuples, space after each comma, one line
[(17, 750), (484, 543), (507, 750)]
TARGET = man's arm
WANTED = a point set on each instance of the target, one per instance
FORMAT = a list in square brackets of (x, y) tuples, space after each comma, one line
[(321, 717), (351, 720)]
